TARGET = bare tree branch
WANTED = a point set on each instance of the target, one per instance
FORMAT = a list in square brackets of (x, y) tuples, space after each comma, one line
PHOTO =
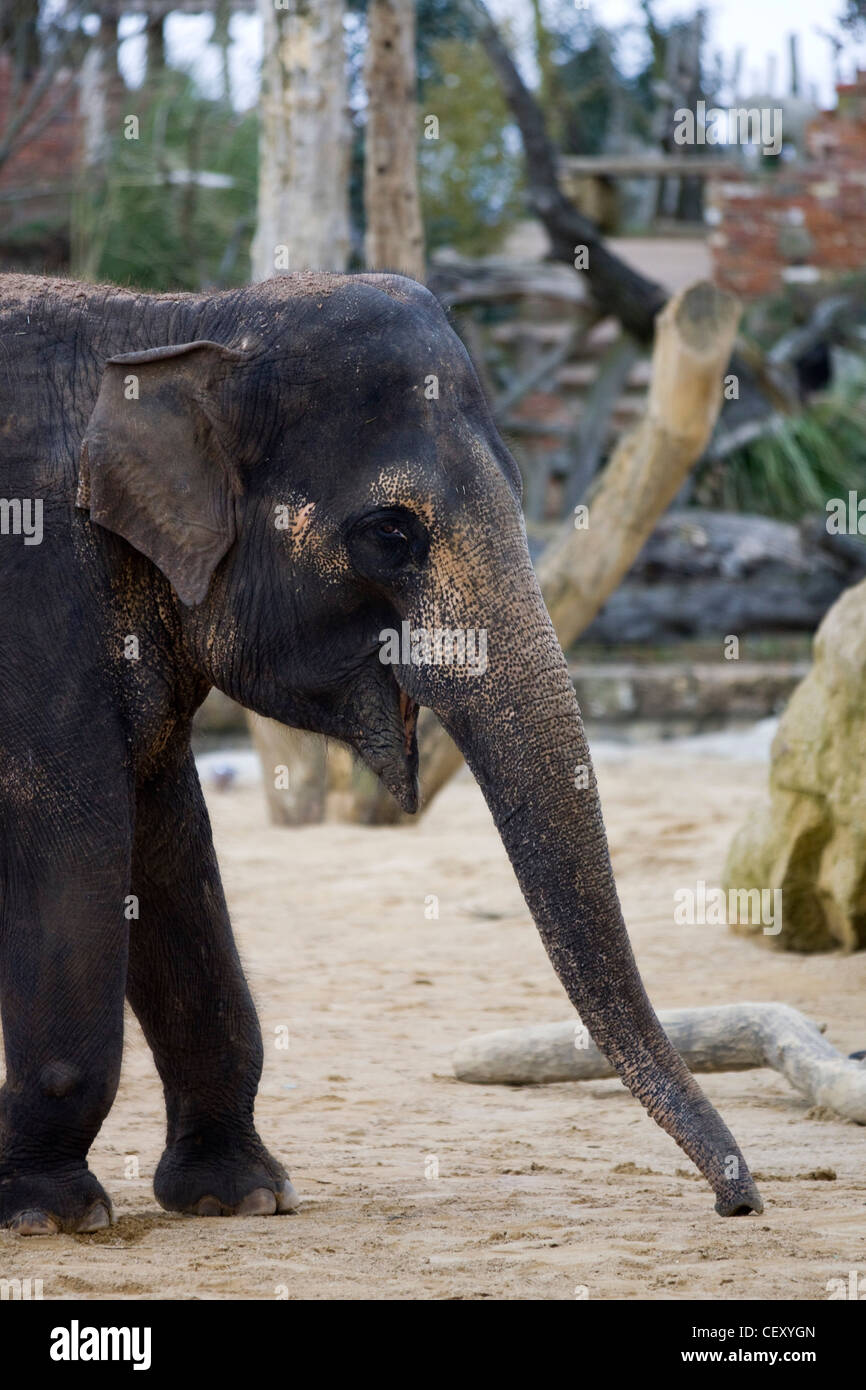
[(617, 287)]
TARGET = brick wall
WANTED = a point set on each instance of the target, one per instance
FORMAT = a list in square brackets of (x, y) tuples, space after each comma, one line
[(49, 158), (800, 221)]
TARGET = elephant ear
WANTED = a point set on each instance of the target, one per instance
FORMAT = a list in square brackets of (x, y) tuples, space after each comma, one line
[(154, 466)]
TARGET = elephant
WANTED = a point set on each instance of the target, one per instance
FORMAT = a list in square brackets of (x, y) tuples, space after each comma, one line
[(247, 489)]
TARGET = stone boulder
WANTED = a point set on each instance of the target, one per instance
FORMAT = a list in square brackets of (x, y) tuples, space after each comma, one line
[(809, 838), (704, 572)]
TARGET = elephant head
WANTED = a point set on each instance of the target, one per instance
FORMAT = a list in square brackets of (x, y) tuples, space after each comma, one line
[(319, 479)]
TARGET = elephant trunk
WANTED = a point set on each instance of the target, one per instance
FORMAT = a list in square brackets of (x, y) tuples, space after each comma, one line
[(519, 728)]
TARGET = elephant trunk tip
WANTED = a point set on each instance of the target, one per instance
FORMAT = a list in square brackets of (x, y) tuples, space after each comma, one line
[(739, 1199)]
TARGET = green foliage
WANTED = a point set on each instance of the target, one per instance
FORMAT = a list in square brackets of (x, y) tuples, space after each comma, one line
[(436, 20), (814, 454), (586, 97), (138, 226), (592, 105), (808, 458), (471, 176), (770, 317), (584, 91)]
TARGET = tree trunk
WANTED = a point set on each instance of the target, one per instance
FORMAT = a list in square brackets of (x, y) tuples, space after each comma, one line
[(303, 214), (395, 237), (155, 48), (88, 222), (293, 770), (580, 569), (303, 224), (20, 37)]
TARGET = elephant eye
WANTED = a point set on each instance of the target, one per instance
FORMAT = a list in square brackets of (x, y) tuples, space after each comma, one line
[(385, 542)]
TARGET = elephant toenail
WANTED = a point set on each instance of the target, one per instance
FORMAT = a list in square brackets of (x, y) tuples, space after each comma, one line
[(34, 1223), (208, 1206), (288, 1199), (98, 1218), (260, 1202)]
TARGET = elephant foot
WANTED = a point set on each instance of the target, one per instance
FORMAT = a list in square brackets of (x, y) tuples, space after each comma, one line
[(50, 1204), (246, 1181)]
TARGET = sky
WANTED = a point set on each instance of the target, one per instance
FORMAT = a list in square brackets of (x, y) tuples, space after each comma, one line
[(760, 27)]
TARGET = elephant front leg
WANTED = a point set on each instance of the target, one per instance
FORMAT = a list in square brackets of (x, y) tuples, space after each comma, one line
[(62, 971), (187, 988)]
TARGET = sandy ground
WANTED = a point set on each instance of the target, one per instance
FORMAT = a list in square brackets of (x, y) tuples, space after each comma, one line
[(541, 1193)]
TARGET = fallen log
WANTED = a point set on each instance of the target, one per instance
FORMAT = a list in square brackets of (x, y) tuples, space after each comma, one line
[(731, 1037), (459, 282)]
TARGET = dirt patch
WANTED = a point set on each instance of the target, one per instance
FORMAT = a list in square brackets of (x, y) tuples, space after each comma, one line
[(541, 1192)]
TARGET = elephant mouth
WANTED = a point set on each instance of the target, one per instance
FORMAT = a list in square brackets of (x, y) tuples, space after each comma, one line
[(409, 715), (389, 741), (401, 776)]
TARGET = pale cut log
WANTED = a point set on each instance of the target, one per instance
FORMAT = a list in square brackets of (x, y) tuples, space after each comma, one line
[(730, 1037), (294, 770), (694, 336)]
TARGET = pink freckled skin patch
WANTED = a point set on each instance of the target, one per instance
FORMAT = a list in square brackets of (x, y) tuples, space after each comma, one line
[(301, 523)]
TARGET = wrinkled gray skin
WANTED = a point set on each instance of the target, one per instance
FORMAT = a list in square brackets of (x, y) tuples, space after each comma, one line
[(254, 485)]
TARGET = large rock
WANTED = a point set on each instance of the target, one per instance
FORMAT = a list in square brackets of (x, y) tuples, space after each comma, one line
[(704, 572), (809, 839)]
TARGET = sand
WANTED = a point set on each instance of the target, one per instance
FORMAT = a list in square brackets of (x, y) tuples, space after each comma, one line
[(557, 1192)]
